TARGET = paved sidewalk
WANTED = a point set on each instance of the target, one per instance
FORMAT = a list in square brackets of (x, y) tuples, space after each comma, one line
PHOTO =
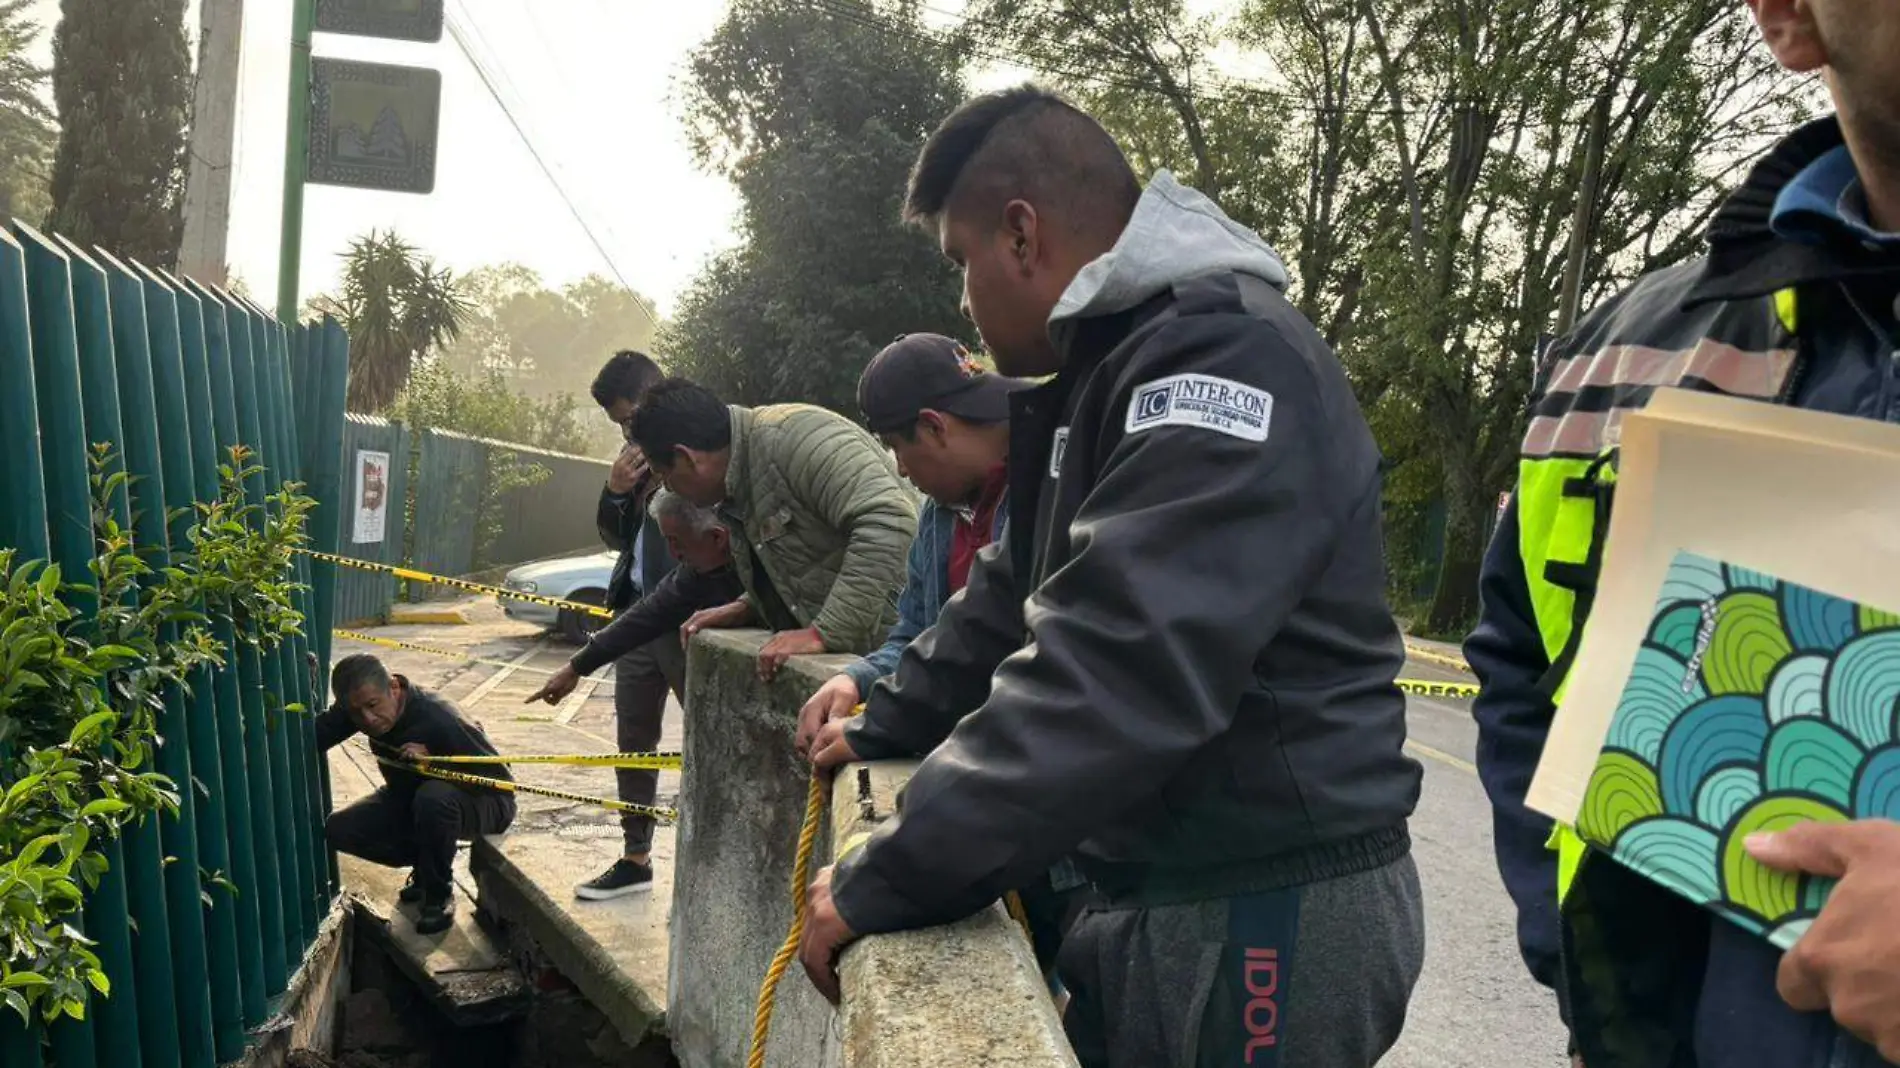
[(553, 843)]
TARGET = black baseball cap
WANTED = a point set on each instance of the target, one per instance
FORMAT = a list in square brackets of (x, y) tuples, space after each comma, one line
[(929, 371)]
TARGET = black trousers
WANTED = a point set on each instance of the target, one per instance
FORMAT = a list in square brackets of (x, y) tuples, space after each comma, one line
[(642, 679), (401, 829)]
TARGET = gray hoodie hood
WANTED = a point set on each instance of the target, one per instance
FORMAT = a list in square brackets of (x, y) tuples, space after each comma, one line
[(1175, 234)]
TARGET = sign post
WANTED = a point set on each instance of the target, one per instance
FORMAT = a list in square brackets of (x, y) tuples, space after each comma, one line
[(397, 20), (296, 137), (368, 125), (373, 125)]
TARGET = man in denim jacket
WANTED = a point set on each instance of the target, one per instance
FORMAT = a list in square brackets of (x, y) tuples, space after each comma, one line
[(947, 422)]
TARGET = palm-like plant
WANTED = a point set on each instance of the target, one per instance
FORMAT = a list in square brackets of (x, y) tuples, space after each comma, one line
[(398, 307)]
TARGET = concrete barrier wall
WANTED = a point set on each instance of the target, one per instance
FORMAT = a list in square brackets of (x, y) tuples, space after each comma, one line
[(967, 993)]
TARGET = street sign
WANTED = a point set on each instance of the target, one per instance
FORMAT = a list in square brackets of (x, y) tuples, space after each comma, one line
[(373, 125), (401, 20)]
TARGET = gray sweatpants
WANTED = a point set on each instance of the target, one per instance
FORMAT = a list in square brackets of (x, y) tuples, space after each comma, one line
[(1314, 976)]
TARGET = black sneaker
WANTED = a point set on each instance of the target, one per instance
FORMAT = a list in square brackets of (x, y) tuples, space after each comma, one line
[(625, 877), (435, 916), (411, 891)]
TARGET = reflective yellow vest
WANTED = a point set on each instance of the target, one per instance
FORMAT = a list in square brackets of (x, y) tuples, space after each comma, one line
[(1563, 513)]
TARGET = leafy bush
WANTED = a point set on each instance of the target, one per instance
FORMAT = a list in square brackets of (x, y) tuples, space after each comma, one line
[(86, 668)]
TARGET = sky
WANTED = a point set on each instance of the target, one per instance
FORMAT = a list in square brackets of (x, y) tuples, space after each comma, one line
[(593, 82)]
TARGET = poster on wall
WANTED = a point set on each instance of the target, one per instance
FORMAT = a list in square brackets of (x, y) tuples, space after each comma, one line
[(372, 497)]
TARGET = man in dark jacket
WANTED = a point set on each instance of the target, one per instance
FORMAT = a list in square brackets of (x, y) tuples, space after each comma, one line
[(644, 676), (1793, 303), (410, 821), (1178, 664), (704, 580)]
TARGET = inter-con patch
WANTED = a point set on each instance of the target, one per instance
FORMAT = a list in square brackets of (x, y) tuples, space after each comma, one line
[(1218, 404)]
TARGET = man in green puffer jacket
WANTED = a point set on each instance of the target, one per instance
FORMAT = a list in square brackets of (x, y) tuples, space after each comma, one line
[(821, 521)]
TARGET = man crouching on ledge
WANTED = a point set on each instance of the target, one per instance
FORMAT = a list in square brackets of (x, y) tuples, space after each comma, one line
[(411, 821)]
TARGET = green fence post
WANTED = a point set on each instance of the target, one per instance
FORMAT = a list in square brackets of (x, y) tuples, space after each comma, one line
[(294, 833), (144, 410), (304, 390), (178, 831), (23, 521), (291, 464), (269, 679), (260, 946), (319, 804), (330, 355), (263, 775), (69, 525), (215, 739), (227, 1010), (117, 1018), (281, 468)]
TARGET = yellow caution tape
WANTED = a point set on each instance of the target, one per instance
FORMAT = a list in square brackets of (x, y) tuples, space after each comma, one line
[(392, 643), (412, 575), (663, 815), (1424, 688), (657, 761), (1432, 656)]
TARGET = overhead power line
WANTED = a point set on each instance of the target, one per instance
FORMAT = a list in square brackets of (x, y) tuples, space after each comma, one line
[(464, 31)]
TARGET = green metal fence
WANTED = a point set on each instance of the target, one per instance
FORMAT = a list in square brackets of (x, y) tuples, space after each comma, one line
[(173, 374)]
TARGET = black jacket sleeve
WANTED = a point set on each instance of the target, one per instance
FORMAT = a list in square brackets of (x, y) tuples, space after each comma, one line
[(333, 726), (1187, 555), (610, 520), (945, 673), (1507, 653), (672, 602)]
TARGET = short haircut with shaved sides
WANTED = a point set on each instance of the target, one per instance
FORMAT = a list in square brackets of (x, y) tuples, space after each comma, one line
[(1025, 143)]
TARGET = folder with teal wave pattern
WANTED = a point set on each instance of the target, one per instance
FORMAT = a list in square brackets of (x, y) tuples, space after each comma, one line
[(1754, 704)]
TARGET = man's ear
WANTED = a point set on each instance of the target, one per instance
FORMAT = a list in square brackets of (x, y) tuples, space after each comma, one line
[(1022, 229), (1788, 27), (932, 423)]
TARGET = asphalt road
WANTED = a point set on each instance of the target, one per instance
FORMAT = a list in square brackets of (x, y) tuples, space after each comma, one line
[(1475, 1006)]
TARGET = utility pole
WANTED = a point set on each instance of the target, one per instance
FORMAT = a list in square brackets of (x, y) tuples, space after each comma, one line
[(1580, 221), (213, 134), (296, 152)]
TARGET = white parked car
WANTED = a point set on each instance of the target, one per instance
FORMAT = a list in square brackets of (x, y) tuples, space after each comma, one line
[(570, 578)]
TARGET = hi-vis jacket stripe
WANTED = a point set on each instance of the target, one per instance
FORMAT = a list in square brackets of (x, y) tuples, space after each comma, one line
[(1567, 469)]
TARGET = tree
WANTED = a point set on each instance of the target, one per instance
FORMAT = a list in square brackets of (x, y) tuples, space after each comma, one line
[(1420, 164), (815, 113), (122, 86), (398, 308), (26, 131), (484, 405)]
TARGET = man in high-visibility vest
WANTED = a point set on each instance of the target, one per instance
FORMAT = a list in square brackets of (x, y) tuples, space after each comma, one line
[(1793, 303)]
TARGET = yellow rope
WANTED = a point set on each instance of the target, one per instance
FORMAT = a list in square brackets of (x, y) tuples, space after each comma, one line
[(801, 878), (662, 815)]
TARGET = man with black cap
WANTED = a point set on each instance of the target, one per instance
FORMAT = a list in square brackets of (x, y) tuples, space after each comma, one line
[(946, 421)]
